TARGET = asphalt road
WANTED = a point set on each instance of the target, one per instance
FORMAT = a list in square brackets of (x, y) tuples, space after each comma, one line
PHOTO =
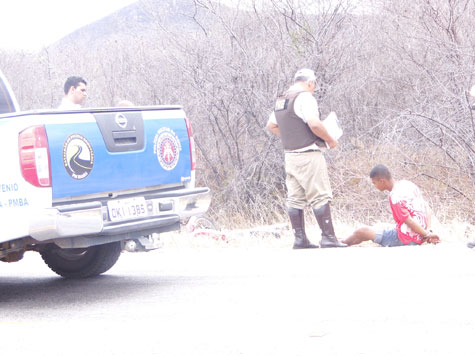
[(255, 301)]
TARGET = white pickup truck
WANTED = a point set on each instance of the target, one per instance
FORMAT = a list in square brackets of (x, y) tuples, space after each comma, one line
[(78, 186)]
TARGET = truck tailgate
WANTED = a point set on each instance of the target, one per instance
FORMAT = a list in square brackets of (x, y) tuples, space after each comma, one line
[(105, 151)]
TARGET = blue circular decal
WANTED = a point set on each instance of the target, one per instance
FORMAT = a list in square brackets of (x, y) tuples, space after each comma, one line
[(78, 156)]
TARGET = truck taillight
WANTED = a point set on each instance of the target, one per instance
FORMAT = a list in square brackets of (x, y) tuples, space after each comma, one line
[(34, 156), (192, 144)]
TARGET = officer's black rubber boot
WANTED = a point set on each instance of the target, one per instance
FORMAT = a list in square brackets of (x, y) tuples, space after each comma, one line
[(297, 220), (324, 219)]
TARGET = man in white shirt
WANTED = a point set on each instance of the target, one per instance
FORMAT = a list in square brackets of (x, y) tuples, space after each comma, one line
[(74, 93), (296, 120)]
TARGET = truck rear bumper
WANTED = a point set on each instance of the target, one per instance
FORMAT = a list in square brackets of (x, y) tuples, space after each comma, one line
[(92, 220)]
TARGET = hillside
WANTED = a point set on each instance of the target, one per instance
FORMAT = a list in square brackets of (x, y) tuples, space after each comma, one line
[(134, 20)]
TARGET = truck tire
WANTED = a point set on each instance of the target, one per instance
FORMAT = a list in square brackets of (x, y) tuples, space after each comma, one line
[(81, 262)]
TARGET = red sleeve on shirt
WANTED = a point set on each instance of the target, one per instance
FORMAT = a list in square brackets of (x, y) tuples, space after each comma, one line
[(400, 212)]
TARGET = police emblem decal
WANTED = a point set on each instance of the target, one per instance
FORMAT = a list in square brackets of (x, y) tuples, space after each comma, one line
[(167, 147), (78, 156)]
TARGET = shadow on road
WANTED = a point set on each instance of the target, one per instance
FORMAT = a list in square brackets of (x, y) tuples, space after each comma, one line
[(57, 292)]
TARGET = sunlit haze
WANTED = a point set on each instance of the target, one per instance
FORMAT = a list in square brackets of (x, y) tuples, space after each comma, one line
[(32, 24)]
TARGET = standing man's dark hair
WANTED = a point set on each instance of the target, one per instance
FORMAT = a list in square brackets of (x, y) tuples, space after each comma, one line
[(75, 93), (73, 82)]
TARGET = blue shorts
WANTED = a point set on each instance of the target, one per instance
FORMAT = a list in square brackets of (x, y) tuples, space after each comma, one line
[(388, 237)]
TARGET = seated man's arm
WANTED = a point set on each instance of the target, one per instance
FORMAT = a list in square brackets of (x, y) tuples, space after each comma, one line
[(428, 236)]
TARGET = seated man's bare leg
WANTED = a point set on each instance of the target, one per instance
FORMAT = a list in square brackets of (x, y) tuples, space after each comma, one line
[(360, 235)]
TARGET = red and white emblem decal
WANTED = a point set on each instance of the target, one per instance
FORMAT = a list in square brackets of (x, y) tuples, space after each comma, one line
[(167, 147)]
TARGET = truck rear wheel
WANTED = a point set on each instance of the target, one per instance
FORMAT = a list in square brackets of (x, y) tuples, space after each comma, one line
[(81, 262)]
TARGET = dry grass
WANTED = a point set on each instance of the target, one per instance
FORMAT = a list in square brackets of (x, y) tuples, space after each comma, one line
[(449, 190)]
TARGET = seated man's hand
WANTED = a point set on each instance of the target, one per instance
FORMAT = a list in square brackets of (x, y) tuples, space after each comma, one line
[(433, 239)]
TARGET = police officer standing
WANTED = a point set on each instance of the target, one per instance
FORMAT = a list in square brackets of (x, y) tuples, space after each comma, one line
[(296, 120)]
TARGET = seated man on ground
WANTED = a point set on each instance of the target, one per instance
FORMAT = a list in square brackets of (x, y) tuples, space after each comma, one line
[(410, 212)]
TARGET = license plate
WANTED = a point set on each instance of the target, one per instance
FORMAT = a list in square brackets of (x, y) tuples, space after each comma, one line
[(127, 209)]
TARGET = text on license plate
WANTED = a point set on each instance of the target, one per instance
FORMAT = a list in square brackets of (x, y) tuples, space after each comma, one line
[(126, 209)]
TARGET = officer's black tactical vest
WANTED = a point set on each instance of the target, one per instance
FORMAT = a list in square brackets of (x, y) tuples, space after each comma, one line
[(295, 133)]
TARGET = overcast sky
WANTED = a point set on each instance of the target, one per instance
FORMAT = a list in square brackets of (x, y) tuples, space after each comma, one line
[(32, 24)]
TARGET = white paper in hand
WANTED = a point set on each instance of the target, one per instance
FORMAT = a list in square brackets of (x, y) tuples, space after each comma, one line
[(332, 126)]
